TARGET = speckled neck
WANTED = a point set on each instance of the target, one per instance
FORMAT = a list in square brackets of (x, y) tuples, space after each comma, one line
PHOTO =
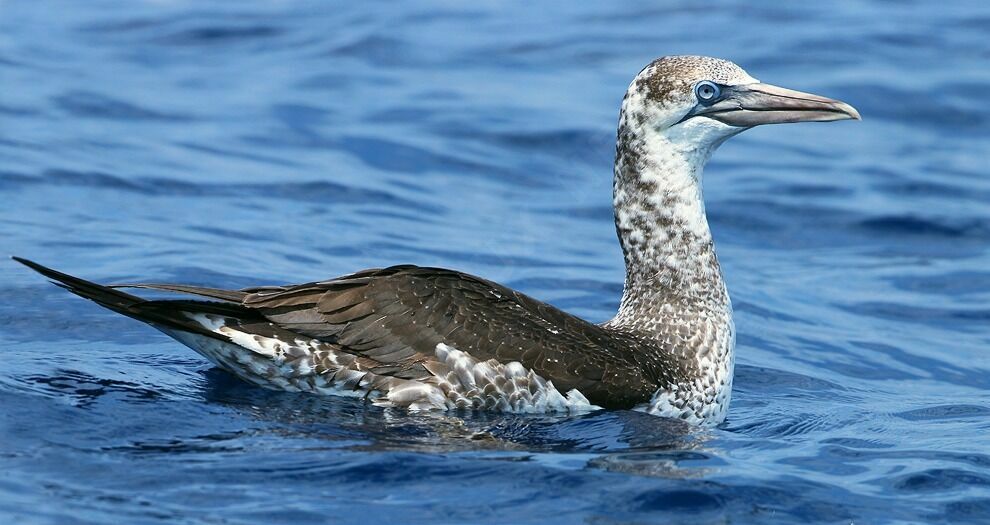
[(660, 220)]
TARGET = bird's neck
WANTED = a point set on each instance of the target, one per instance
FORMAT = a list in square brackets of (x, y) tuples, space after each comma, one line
[(660, 220)]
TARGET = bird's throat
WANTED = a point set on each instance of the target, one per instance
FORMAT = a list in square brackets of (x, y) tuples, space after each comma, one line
[(662, 227)]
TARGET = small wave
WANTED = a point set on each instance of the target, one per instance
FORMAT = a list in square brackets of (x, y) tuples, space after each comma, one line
[(95, 105), (928, 227), (941, 412), (84, 389)]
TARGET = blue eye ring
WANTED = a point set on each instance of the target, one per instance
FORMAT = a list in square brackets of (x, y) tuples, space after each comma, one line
[(707, 92)]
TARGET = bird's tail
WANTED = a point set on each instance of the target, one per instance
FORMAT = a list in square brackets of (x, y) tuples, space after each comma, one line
[(104, 296), (161, 314)]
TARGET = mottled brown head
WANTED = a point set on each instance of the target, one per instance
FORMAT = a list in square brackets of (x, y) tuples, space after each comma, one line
[(714, 98), (672, 78)]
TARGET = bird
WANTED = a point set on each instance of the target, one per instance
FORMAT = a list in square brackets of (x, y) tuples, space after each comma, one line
[(424, 338)]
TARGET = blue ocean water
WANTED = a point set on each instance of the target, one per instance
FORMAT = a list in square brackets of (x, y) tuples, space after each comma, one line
[(242, 143)]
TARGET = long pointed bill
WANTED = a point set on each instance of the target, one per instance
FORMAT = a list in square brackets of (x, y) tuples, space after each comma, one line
[(755, 104)]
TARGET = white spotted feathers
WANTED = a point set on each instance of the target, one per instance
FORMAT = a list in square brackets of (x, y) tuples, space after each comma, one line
[(309, 365)]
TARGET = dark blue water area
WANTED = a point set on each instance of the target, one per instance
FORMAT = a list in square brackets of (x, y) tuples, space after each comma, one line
[(243, 143)]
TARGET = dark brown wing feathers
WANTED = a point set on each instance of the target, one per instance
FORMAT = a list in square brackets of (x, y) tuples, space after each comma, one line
[(393, 318), (216, 293), (396, 317)]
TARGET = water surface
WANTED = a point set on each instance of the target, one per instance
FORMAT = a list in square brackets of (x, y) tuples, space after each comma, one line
[(272, 142)]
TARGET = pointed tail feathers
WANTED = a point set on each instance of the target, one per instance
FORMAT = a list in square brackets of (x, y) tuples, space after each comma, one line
[(170, 314), (113, 299)]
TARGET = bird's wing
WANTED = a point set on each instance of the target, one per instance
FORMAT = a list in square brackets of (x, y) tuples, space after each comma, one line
[(396, 317)]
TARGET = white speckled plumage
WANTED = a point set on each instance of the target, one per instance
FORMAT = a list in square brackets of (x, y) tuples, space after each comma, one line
[(309, 365), (674, 288)]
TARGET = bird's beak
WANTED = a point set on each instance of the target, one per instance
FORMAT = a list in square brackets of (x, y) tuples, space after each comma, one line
[(751, 105)]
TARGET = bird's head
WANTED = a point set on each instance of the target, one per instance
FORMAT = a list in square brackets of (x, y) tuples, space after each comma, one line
[(695, 103)]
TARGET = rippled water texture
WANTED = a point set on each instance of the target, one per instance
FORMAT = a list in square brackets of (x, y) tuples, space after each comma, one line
[(273, 142)]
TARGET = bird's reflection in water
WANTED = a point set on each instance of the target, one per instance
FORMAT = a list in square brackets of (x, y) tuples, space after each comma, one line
[(617, 441)]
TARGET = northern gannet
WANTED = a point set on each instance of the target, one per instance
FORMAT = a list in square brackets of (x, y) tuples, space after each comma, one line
[(430, 338)]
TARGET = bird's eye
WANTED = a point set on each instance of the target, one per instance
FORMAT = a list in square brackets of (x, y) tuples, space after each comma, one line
[(707, 92)]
